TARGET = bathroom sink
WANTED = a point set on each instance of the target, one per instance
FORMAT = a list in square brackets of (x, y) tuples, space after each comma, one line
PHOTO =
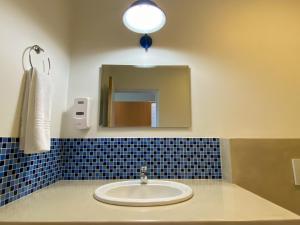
[(134, 193)]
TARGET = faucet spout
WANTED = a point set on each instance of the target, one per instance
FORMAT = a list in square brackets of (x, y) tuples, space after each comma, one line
[(143, 175)]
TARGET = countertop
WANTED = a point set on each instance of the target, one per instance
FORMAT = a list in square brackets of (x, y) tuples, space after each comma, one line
[(214, 202)]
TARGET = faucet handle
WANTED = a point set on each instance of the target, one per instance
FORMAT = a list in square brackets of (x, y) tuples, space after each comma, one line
[(143, 169), (143, 175)]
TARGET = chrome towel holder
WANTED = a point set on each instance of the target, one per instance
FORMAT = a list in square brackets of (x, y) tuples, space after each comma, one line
[(38, 50)]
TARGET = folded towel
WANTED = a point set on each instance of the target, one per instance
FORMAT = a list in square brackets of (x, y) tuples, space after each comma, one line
[(24, 113), (36, 113)]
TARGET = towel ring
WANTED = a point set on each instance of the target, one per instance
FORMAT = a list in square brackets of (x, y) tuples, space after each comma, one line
[(37, 49)]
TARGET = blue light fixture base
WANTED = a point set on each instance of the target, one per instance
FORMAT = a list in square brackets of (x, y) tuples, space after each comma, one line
[(146, 42)]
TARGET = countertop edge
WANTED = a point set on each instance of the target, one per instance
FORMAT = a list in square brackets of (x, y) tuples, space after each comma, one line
[(252, 222)]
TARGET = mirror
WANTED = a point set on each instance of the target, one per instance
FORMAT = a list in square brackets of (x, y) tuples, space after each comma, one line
[(153, 97)]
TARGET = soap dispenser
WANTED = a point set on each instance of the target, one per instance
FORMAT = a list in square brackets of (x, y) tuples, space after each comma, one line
[(81, 114)]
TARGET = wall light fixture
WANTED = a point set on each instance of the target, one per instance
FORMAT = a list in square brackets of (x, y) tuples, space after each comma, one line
[(144, 17)]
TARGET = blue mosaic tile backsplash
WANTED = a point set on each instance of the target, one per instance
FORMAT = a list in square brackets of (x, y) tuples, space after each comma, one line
[(22, 174), (105, 158), (121, 158)]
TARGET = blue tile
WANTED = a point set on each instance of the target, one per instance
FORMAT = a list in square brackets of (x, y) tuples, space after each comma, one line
[(105, 158), (121, 158), (21, 174)]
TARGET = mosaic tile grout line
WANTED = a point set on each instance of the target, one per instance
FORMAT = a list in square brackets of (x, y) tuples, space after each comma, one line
[(105, 158)]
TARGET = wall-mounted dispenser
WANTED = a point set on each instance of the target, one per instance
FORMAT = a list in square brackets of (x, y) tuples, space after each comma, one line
[(81, 114)]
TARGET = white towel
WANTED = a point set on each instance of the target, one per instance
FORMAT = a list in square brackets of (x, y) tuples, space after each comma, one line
[(36, 113)]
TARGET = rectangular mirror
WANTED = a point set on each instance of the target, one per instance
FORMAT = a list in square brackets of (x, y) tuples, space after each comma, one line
[(153, 97)]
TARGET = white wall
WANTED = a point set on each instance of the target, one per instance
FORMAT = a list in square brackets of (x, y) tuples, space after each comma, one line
[(244, 58), (22, 24)]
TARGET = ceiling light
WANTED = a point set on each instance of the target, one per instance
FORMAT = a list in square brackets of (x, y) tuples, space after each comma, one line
[(144, 16)]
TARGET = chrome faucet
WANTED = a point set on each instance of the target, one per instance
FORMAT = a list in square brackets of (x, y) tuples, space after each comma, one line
[(143, 175)]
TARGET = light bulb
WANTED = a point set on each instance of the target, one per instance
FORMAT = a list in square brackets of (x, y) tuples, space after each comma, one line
[(144, 17)]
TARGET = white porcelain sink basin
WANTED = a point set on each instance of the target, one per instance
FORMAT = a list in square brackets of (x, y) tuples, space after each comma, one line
[(133, 193)]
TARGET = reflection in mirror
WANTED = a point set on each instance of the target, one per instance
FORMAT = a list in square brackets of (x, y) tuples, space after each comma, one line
[(133, 96)]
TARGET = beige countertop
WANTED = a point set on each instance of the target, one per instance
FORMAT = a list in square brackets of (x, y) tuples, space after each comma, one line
[(213, 202)]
